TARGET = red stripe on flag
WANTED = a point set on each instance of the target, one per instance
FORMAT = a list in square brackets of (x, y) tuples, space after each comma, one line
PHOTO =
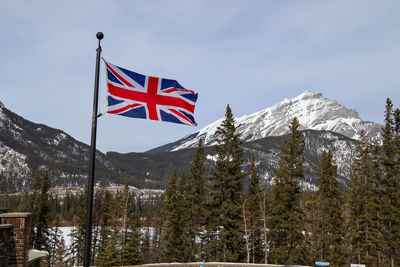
[(152, 85), (118, 76), (149, 98)]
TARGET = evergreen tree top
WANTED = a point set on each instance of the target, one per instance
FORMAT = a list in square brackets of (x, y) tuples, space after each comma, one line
[(227, 131), (291, 161)]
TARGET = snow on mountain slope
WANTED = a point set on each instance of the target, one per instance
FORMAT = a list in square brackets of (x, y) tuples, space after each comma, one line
[(26, 146), (313, 110)]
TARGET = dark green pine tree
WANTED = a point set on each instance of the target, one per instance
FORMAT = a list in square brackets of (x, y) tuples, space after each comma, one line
[(60, 257), (226, 193), (131, 236), (41, 212), (286, 220), (110, 256), (172, 229), (76, 249), (397, 135), (152, 221), (33, 207), (263, 202), (111, 251), (329, 234), (397, 129), (391, 186), (146, 245), (254, 217), (100, 221), (363, 231), (185, 220), (193, 207), (156, 251), (105, 227)]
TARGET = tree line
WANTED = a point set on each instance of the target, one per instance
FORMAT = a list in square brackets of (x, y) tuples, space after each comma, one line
[(218, 216), (231, 215)]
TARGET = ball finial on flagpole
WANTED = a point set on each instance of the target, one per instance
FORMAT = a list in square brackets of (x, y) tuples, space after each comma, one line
[(100, 35)]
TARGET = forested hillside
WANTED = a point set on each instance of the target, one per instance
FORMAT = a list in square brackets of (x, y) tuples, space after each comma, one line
[(216, 216)]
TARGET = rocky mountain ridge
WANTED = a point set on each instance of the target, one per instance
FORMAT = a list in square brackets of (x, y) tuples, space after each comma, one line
[(313, 110), (26, 147)]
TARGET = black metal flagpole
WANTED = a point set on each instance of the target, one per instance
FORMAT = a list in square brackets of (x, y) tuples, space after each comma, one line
[(89, 208)]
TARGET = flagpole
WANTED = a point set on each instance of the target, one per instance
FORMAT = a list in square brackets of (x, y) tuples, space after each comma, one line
[(89, 208)]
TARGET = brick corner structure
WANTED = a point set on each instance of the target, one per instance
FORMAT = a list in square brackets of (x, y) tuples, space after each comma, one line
[(15, 229)]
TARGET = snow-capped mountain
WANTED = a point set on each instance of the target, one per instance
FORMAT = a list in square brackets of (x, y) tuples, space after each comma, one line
[(26, 146), (313, 110)]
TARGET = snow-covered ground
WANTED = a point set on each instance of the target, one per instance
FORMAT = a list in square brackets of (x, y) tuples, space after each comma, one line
[(66, 231)]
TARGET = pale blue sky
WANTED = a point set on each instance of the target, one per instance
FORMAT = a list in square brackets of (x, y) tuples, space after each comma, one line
[(249, 54)]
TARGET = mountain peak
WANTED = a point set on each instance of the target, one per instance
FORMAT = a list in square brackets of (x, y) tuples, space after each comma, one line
[(312, 109), (303, 96), (309, 94)]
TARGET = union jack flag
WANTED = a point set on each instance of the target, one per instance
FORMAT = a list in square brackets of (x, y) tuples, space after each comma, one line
[(135, 95)]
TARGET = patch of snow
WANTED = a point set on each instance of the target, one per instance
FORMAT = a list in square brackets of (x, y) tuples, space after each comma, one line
[(212, 158), (14, 164), (59, 137), (66, 233)]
